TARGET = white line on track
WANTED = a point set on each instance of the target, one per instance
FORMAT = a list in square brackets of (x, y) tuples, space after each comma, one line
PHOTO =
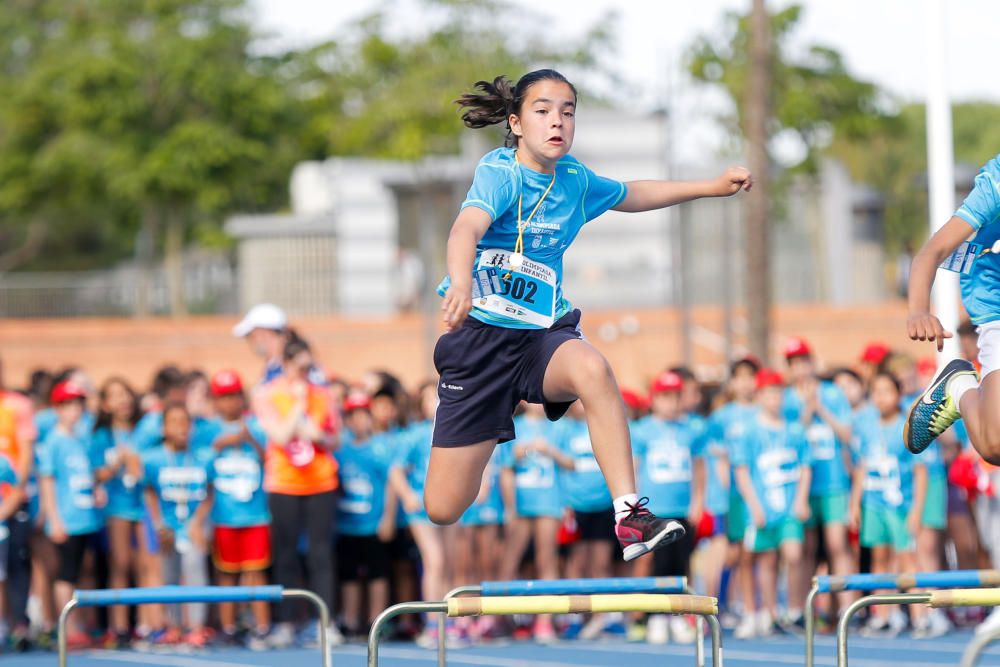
[(457, 657), (166, 660)]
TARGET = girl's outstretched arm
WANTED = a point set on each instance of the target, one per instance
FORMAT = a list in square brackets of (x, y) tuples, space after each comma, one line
[(921, 324), (652, 195), (469, 227)]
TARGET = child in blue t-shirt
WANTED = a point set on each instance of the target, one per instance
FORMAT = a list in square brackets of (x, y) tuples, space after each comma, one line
[(176, 483), (237, 505), (531, 467), (670, 459), (67, 485), (11, 497), (888, 495), (118, 468), (364, 458), (773, 473)]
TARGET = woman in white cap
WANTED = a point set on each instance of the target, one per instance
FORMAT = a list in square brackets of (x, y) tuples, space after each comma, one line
[(265, 327)]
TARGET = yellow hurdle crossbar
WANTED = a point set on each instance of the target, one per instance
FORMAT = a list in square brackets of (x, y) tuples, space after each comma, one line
[(966, 597), (565, 604)]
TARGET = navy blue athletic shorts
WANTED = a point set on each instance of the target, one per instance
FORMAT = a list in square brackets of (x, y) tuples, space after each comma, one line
[(486, 371)]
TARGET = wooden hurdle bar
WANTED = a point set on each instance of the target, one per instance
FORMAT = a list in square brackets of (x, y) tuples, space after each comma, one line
[(557, 604)]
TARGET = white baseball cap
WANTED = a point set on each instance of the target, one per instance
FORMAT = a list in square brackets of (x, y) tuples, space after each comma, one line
[(261, 316)]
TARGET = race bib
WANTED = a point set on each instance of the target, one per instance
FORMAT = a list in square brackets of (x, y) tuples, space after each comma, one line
[(528, 295), (961, 260)]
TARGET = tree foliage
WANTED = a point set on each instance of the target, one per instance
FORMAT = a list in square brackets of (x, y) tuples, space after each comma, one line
[(813, 95)]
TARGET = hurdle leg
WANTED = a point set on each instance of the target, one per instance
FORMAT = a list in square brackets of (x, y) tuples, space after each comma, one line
[(716, 629), (810, 614), (970, 656), (699, 646), (845, 619), (324, 619), (63, 620), (392, 612), (441, 620)]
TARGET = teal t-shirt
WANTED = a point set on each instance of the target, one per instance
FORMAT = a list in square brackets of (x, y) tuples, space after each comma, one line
[(237, 478), (536, 476), (775, 456), (665, 451), (583, 487), (981, 209), (66, 459), (829, 470)]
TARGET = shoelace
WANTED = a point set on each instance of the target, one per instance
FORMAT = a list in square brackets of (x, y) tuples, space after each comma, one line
[(638, 512)]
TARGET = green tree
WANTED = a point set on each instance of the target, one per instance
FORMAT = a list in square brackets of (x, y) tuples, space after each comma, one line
[(813, 95)]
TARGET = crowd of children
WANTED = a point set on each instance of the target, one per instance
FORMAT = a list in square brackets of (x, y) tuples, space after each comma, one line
[(302, 480)]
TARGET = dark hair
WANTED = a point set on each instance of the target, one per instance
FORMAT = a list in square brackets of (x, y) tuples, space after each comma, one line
[(174, 407), (892, 378), (686, 373), (748, 362), (40, 385), (846, 371), (103, 417), (167, 378), (499, 99), (294, 347), (195, 375)]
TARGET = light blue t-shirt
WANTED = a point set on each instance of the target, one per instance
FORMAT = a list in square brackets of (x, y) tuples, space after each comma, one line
[(583, 487), (666, 451), (66, 458), (364, 474), (46, 420), (888, 464), (536, 477), (829, 471), (124, 493), (775, 456), (725, 428), (8, 478), (413, 454), (981, 209), (577, 196), (180, 481), (489, 511), (237, 478)]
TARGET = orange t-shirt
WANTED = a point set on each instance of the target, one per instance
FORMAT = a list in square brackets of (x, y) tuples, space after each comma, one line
[(17, 426), (273, 402)]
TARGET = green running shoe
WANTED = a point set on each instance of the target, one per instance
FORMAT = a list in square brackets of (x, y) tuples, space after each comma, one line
[(934, 411)]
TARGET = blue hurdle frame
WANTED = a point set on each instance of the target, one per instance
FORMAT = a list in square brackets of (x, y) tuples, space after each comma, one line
[(898, 582), (189, 594), (595, 586)]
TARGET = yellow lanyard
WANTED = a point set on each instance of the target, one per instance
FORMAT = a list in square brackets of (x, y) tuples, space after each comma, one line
[(517, 258)]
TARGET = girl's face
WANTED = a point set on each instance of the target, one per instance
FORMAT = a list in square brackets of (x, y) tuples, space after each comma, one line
[(545, 123), (117, 401), (360, 422), (800, 369), (300, 364), (385, 412), (176, 428), (743, 383), (69, 412), (229, 406), (770, 399), (853, 390), (885, 396), (667, 404)]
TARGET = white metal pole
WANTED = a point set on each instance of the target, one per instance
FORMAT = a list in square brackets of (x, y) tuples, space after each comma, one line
[(940, 164)]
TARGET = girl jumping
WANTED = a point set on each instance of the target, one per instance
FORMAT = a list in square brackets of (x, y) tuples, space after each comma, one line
[(527, 203)]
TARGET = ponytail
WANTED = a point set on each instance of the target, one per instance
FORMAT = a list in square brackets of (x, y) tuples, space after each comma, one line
[(496, 101)]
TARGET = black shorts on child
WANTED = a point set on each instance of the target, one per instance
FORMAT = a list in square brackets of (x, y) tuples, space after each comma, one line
[(361, 557), (487, 370)]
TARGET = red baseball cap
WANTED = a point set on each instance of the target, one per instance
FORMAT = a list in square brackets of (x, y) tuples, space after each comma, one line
[(357, 401), (797, 347), (875, 353), (67, 390), (927, 366), (635, 400), (225, 383), (667, 381), (768, 377)]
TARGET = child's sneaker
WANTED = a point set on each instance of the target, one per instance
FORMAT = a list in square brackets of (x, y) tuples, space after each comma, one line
[(932, 413), (198, 638), (257, 640), (544, 631), (681, 630), (283, 636), (658, 629), (879, 628), (640, 531), (747, 627), (594, 628), (636, 632)]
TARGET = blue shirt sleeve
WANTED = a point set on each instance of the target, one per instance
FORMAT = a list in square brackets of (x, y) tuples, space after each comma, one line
[(493, 189), (600, 194), (741, 449), (638, 439), (48, 455), (982, 206), (699, 440)]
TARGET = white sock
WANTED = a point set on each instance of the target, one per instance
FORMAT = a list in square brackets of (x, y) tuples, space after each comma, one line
[(960, 384), (622, 505)]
